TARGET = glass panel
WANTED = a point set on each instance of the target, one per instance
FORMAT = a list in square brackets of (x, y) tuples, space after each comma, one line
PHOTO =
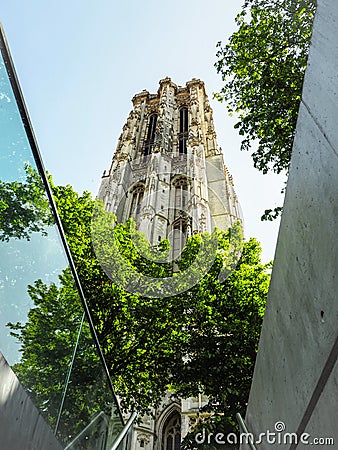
[(44, 333)]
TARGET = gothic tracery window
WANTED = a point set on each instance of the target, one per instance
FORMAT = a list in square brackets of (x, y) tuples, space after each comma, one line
[(136, 201), (181, 194), (179, 236), (171, 437), (180, 225), (148, 145), (183, 133)]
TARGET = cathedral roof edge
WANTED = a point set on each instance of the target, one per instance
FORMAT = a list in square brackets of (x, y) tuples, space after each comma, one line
[(143, 95), (166, 81), (146, 95), (195, 81)]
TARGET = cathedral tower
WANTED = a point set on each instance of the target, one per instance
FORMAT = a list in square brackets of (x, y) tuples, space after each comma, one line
[(168, 172)]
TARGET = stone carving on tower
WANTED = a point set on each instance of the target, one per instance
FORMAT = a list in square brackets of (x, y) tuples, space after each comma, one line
[(168, 172)]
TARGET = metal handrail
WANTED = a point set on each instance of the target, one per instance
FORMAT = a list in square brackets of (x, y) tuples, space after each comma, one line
[(124, 431), (100, 414), (69, 372), (242, 426)]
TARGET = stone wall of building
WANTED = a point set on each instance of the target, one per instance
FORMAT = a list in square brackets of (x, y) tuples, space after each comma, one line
[(150, 432)]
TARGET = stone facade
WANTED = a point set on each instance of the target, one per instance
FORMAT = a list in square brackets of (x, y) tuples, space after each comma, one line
[(168, 173), (168, 424)]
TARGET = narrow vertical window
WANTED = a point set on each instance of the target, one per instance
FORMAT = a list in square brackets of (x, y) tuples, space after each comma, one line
[(136, 201), (181, 194), (183, 133), (148, 145), (180, 205), (180, 237)]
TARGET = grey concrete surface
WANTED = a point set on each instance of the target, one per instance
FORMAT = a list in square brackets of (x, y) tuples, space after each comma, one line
[(295, 379), (21, 425)]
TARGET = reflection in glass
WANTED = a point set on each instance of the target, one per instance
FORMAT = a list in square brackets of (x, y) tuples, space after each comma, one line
[(44, 334)]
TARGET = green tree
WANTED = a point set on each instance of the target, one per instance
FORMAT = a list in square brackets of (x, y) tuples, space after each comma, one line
[(223, 336), (24, 208), (201, 340), (262, 66), (146, 340), (48, 339)]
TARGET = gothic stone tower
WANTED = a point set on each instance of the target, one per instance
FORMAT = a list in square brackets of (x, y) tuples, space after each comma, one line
[(168, 172), (169, 175)]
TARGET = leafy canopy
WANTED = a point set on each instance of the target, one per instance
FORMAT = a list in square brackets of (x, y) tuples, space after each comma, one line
[(146, 340), (48, 338), (23, 207), (203, 340), (262, 66)]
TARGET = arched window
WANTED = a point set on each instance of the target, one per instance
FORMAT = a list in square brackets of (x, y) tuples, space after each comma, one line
[(183, 133), (180, 223), (136, 201), (148, 145), (171, 437), (181, 194), (179, 237)]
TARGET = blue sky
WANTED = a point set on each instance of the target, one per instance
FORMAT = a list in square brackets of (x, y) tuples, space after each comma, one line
[(81, 62)]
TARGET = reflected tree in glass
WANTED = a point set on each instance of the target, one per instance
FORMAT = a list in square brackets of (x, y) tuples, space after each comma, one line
[(24, 207), (51, 330)]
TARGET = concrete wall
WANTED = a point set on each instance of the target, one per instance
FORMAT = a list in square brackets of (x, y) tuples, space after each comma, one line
[(21, 425), (296, 376)]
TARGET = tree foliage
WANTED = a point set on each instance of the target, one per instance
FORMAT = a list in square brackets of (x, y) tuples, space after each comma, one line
[(146, 340), (23, 207), (262, 66), (201, 340), (53, 330)]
